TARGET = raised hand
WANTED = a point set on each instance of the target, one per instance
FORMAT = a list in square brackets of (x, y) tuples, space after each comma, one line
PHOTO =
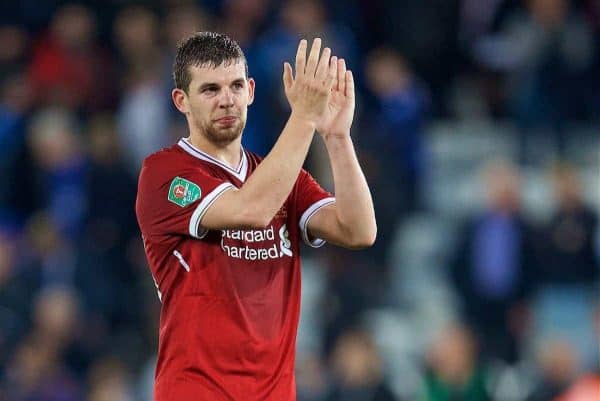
[(339, 113), (308, 92)]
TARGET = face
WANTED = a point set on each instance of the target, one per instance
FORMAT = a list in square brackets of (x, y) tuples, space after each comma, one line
[(217, 101)]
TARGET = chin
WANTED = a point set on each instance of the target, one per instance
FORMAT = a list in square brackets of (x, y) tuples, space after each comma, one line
[(224, 136)]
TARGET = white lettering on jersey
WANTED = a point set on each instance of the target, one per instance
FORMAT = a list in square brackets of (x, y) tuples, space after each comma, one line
[(249, 249)]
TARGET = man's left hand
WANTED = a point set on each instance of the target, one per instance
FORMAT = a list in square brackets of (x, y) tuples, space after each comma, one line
[(339, 114)]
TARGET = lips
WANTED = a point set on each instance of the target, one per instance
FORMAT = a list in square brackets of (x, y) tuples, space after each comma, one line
[(226, 120)]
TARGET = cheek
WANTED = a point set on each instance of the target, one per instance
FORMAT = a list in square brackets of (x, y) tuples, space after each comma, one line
[(201, 109)]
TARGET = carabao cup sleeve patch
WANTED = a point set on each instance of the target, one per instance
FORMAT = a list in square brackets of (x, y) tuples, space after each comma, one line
[(183, 192)]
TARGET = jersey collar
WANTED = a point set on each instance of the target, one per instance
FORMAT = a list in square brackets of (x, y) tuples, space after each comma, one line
[(239, 173)]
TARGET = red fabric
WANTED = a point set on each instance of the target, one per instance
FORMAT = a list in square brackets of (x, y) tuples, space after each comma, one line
[(228, 326)]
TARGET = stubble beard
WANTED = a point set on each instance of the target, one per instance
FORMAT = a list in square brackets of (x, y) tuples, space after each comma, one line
[(222, 136)]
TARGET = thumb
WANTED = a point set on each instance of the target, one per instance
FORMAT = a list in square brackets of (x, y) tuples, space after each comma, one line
[(288, 81)]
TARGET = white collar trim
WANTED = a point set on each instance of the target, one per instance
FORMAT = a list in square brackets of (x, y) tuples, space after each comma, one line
[(239, 173)]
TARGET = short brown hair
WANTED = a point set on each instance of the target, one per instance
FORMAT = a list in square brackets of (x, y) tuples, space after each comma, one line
[(204, 49)]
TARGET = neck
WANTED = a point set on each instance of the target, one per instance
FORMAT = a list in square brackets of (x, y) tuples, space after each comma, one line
[(229, 153)]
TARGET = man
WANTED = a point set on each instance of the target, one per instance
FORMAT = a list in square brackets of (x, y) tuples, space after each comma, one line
[(493, 265), (222, 228)]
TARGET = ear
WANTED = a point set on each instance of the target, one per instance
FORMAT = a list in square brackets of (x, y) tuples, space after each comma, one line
[(180, 100), (251, 86)]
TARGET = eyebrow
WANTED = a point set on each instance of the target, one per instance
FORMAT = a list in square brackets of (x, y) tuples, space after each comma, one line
[(210, 85)]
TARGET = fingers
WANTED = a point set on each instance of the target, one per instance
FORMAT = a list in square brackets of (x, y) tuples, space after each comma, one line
[(326, 69), (331, 73), (341, 73), (313, 58), (323, 66), (288, 80), (349, 85), (301, 58)]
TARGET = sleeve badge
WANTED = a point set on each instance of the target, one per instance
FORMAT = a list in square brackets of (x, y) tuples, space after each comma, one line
[(183, 192)]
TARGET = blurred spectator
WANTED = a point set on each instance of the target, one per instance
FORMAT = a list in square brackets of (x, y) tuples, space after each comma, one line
[(568, 271), (557, 362), (453, 370), (569, 254), (477, 17), (354, 285), (296, 19), (108, 381), (104, 274), (358, 370), (395, 122), (311, 377), (60, 181), (136, 37), (425, 32), (50, 259), (55, 318), (109, 224), (547, 51), (16, 97), (13, 54), (69, 67), (12, 320), (36, 373), (15, 103), (493, 263), (180, 22), (142, 117), (43, 366), (243, 19)]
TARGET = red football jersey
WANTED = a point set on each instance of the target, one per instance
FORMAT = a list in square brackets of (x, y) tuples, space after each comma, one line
[(230, 298)]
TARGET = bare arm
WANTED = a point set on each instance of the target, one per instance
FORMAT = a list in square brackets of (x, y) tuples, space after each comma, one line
[(350, 221), (262, 195)]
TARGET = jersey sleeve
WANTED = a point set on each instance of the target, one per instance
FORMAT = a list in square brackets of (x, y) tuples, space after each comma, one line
[(310, 198), (174, 203)]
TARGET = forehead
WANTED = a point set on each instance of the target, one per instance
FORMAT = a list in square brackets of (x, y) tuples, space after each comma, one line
[(222, 74)]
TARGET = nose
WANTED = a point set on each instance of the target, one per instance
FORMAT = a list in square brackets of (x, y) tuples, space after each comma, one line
[(226, 98)]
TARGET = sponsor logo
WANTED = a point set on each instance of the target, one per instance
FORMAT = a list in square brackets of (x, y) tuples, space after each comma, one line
[(256, 244), (183, 192), (284, 242)]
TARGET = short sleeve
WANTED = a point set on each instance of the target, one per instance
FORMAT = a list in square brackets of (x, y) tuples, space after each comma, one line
[(175, 203), (310, 198)]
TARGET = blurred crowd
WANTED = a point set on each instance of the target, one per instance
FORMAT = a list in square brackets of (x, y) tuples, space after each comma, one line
[(492, 296)]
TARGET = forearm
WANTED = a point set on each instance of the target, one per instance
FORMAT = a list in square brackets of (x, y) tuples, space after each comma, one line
[(354, 205), (271, 183)]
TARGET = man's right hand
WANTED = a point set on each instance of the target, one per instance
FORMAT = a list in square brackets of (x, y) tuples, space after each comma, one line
[(308, 92)]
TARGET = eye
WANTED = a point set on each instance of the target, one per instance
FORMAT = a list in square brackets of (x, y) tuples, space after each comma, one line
[(238, 85)]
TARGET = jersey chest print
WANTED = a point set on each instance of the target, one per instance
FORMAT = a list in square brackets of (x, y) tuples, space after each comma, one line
[(269, 243)]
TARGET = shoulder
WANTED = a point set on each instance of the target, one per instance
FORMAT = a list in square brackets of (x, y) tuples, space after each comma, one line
[(165, 156), (160, 168), (166, 163)]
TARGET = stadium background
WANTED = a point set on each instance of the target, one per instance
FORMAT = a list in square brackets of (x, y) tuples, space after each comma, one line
[(477, 126)]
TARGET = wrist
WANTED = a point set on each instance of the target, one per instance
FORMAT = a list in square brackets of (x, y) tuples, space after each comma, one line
[(336, 136), (303, 120)]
